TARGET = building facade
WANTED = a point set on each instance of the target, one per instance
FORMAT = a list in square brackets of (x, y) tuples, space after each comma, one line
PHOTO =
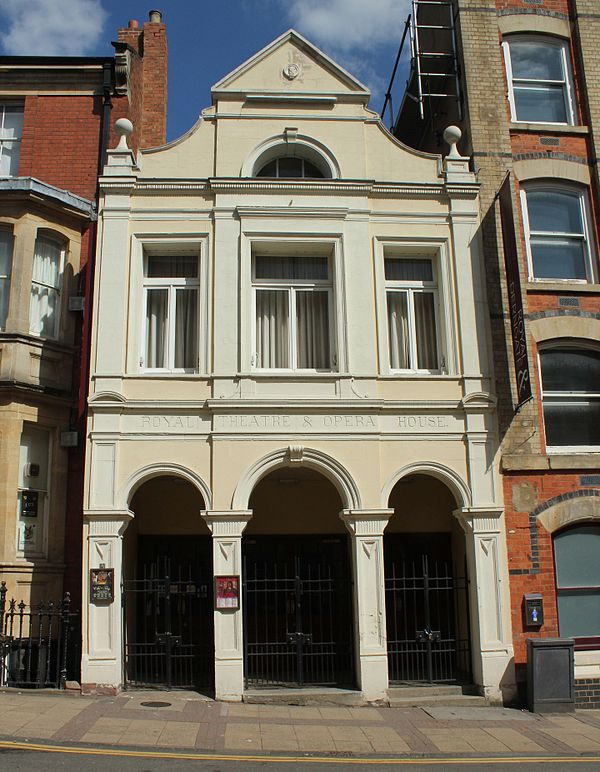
[(529, 106), (292, 442), (55, 119)]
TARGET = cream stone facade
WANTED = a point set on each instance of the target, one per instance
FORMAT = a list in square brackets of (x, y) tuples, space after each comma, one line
[(345, 417)]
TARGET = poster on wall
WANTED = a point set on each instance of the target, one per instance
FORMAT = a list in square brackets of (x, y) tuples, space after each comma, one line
[(102, 584), (227, 592), (29, 503)]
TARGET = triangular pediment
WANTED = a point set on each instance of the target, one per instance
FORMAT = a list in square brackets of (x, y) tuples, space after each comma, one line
[(291, 65)]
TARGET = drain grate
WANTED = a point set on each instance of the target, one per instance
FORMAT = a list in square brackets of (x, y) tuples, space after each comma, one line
[(155, 704)]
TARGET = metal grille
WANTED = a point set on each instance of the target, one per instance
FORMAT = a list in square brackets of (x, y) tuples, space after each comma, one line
[(38, 644), (427, 620), (297, 619), (168, 613)]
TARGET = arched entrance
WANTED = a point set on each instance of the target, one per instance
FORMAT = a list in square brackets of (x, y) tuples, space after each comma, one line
[(297, 583), (426, 585), (168, 588)]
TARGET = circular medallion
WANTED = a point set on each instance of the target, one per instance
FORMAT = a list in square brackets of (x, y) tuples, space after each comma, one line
[(291, 70)]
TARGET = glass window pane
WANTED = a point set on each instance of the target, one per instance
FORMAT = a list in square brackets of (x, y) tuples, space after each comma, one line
[(46, 262), (570, 370), (310, 170), (427, 358), (579, 613), (9, 159), (157, 305), (577, 556), (11, 127), (268, 170), (312, 330), (272, 328), (543, 104), (186, 329), (4, 293), (572, 424), (536, 60), (399, 269), (291, 268), (289, 167), (398, 332), (5, 270), (554, 211), (558, 258), (172, 267), (43, 310)]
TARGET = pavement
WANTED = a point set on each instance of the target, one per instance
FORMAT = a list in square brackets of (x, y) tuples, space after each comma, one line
[(181, 721)]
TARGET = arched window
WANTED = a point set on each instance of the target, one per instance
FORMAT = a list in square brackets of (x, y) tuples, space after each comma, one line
[(293, 167), (539, 79), (577, 563), (571, 396)]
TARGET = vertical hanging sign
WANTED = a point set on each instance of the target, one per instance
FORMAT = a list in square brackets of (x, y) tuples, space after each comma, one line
[(515, 299)]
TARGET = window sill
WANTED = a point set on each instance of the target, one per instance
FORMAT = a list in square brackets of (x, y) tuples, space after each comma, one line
[(516, 462), (162, 374), (548, 128), (269, 374), (561, 286), (411, 375)]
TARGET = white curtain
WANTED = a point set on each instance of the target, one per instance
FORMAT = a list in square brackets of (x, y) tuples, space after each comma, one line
[(11, 128), (312, 329), (172, 267), (186, 329), (156, 327), (427, 356), (272, 328), (398, 330), (44, 306), (5, 270)]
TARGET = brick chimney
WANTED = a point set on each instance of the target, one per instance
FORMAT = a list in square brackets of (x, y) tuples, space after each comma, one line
[(147, 80)]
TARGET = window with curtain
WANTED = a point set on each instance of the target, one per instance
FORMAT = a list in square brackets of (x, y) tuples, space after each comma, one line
[(571, 396), (6, 250), (32, 505), (411, 294), (11, 128), (556, 232), (44, 309), (577, 563), (539, 81), (293, 305), (171, 288)]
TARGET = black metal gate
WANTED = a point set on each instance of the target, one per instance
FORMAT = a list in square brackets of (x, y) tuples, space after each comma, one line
[(297, 612), (427, 611), (39, 643), (168, 614)]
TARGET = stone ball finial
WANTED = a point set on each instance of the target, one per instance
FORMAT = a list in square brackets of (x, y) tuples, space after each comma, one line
[(124, 128), (452, 136)]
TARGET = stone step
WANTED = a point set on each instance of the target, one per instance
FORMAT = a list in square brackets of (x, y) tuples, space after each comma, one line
[(284, 696), (433, 690), (434, 697)]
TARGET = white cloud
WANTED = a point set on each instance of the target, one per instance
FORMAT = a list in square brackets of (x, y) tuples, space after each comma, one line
[(51, 27)]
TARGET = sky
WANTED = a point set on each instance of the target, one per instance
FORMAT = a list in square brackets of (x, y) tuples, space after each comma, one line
[(209, 39)]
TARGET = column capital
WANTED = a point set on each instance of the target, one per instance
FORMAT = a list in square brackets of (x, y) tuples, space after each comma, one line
[(366, 522), (480, 519), (107, 522), (229, 522)]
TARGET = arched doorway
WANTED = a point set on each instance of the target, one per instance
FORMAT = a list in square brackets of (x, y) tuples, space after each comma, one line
[(168, 588), (298, 628), (426, 585)]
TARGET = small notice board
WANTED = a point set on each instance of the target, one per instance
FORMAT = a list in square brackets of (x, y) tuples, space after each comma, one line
[(227, 593), (102, 584)]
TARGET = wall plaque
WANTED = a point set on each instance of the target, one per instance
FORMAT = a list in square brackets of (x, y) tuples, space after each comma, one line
[(29, 503), (102, 584), (227, 592)]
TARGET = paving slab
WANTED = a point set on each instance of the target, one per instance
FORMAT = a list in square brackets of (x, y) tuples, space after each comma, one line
[(478, 714)]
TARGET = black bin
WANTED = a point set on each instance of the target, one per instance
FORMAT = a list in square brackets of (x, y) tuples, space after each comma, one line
[(550, 675)]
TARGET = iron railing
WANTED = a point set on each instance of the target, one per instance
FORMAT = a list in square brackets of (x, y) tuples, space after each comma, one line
[(38, 644)]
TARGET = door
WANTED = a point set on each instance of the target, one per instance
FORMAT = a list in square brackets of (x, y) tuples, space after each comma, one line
[(427, 611), (168, 614), (297, 611)]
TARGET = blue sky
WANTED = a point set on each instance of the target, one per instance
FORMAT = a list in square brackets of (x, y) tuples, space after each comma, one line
[(209, 39)]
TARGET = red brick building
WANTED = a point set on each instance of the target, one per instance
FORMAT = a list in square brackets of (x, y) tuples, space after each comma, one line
[(520, 77)]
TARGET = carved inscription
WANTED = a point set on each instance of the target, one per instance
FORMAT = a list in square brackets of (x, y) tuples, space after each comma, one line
[(422, 422), (171, 423), (297, 423)]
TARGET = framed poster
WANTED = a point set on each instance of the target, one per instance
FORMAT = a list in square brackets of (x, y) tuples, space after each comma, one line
[(29, 503), (227, 593), (102, 582)]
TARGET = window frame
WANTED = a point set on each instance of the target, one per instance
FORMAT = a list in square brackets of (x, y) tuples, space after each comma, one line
[(577, 397), (171, 284), (567, 82), (60, 241), (7, 277), (412, 287), (581, 193), (582, 643), (293, 286), (21, 107), (44, 512)]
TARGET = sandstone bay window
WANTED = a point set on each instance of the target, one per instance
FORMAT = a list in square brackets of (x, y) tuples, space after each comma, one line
[(6, 249), (292, 297), (539, 81), (44, 308), (571, 397), (11, 128), (411, 296), (32, 505), (557, 232), (171, 287), (577, 562)]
